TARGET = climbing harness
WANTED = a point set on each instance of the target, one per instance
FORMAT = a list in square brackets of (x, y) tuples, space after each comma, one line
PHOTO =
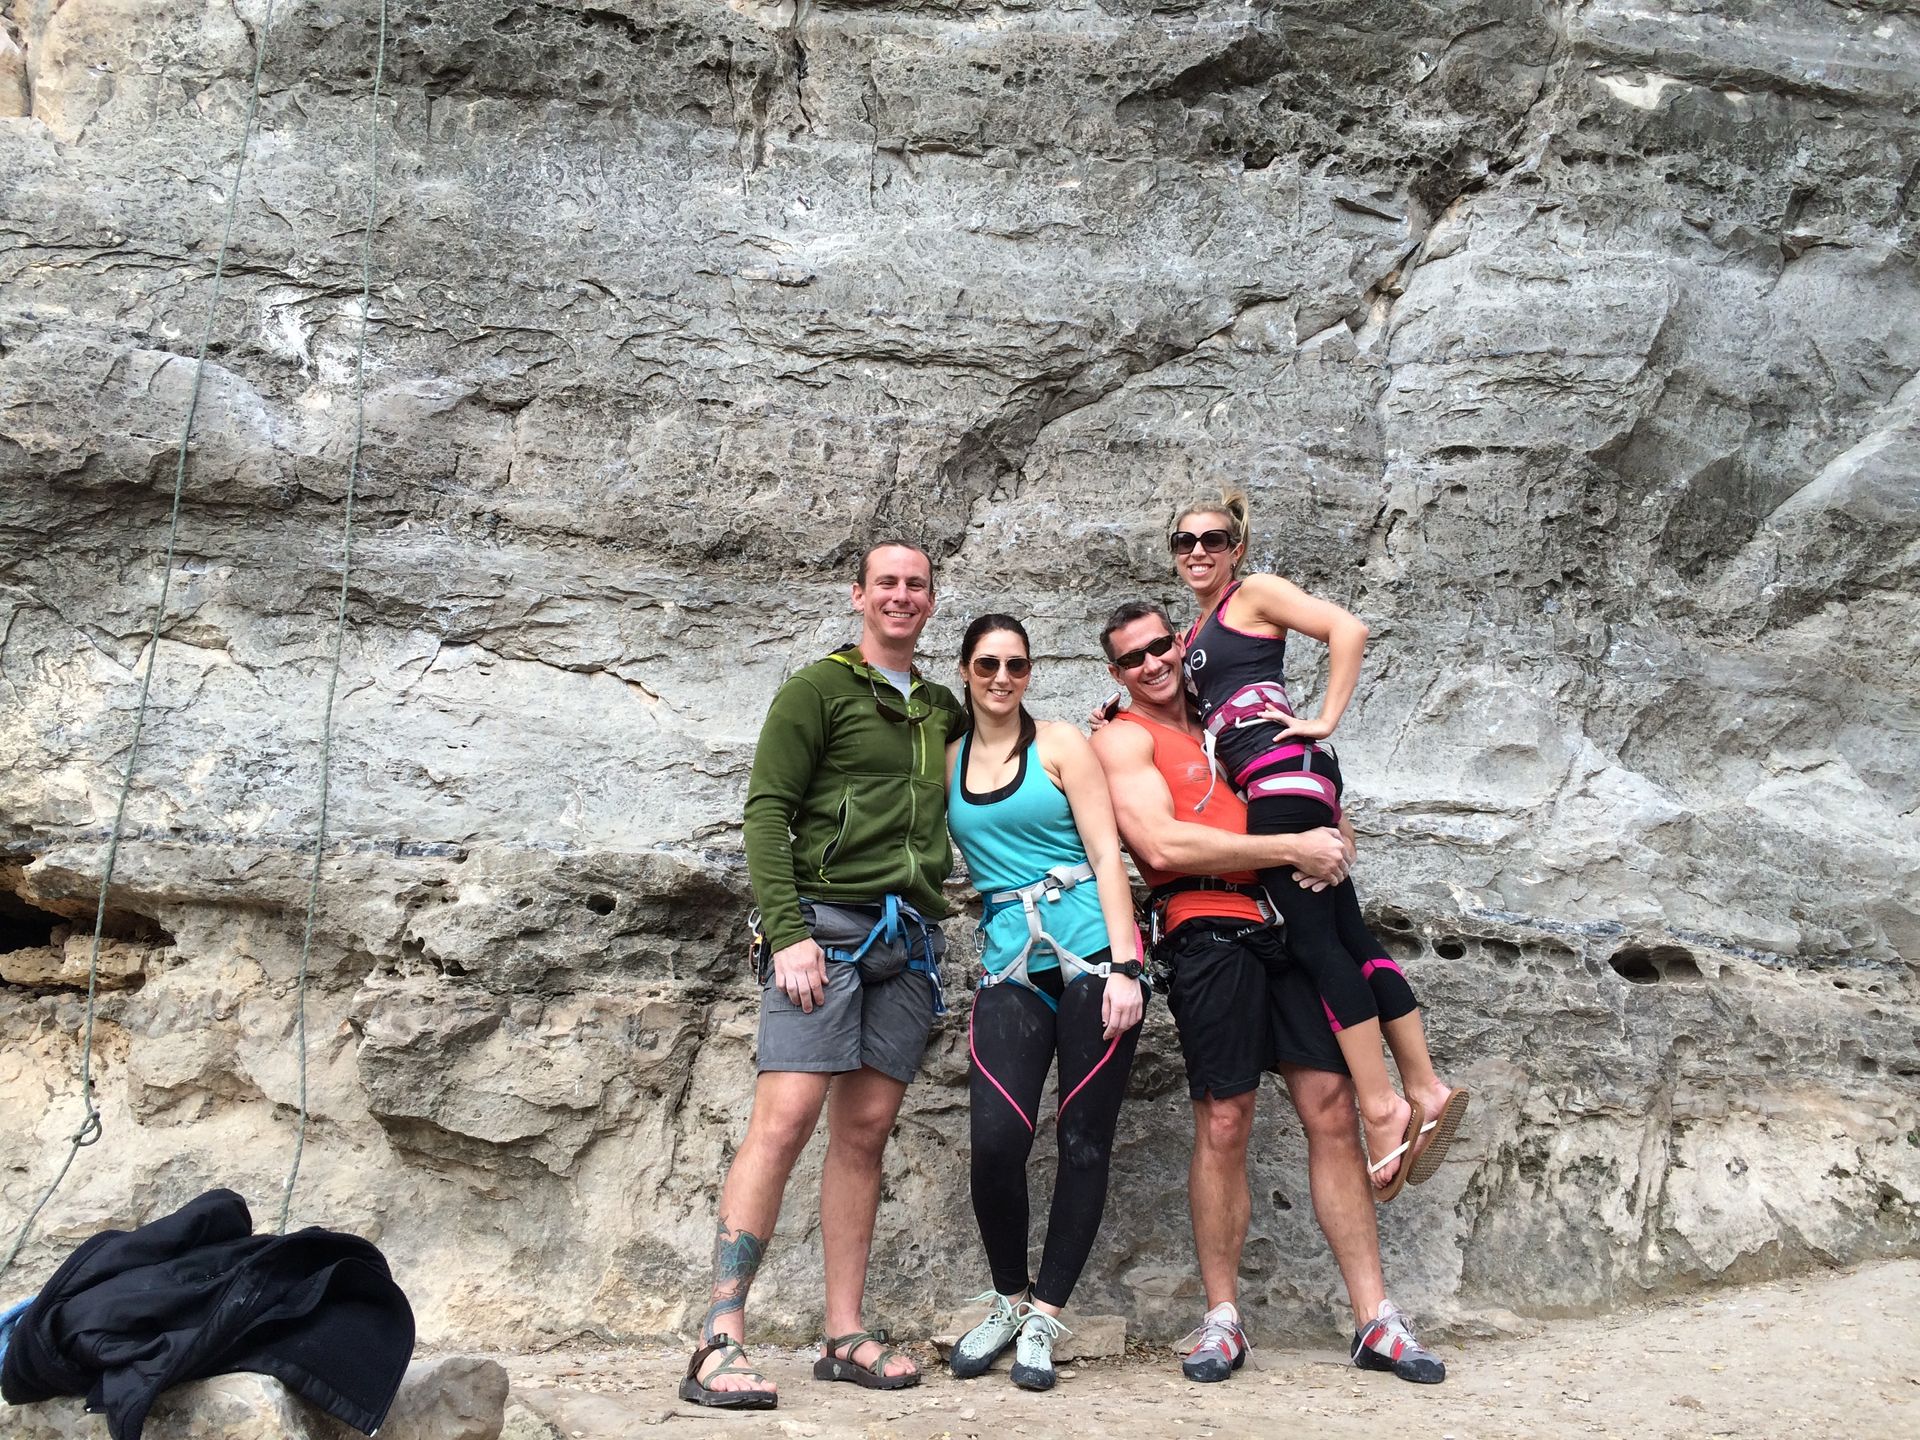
[(1299, 782), (1030, 897), (1245, 705), (898, 924), (897, 918), (1160, 895)]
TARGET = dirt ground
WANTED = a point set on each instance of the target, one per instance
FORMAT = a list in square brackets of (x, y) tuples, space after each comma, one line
[(1825, 1356)]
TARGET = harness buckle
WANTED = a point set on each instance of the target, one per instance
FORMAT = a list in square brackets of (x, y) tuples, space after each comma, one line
[(892, 928)]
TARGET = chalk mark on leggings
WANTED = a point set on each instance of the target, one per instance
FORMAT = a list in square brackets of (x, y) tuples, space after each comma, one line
[(981, 1066)]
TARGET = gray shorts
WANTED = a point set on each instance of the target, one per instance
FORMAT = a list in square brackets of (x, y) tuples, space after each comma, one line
[(882, 1023)]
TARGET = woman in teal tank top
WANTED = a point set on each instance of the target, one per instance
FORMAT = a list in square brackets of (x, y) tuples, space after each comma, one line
[(1028, 806)]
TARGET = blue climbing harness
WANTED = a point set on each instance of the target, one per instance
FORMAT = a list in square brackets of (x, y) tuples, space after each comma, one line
[(892, 928)]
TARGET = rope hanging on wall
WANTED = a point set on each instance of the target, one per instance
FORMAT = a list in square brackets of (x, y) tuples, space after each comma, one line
[(90, 1127), (340, 614)]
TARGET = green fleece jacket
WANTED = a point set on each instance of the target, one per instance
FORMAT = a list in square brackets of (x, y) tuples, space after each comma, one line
[(846, 804)]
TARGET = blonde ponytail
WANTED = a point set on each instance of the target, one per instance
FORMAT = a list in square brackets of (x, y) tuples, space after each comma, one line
[(1234, 501)]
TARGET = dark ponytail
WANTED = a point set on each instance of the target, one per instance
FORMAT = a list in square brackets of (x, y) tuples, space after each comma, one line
[(982, 627)]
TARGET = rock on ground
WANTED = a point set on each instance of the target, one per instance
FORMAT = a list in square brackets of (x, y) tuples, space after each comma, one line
[(451, 1398)]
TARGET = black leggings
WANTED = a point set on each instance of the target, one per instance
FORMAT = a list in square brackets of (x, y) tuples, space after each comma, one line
[(1326, 934), (1013, 1038)]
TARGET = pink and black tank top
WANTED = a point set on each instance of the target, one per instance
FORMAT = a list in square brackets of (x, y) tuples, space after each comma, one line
[(1232, 676)]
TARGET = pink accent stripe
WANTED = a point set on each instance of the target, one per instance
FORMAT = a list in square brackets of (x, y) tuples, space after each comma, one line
[(1331, 1018), (1112, 1045), (1199, 621), (1220, 612), (1381, 963), (1283, 752), (1247, 702), (989, 1074)]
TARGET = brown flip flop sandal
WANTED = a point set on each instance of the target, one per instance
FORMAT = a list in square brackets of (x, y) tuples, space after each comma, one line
[(1383, 1193), (832, 1366), (733, 1354), (1443, 1126)]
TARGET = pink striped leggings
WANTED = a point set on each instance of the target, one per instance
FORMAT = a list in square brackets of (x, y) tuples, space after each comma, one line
[(1014, 1037), (1326, 934)]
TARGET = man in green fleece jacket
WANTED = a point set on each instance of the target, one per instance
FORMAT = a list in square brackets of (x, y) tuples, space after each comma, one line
[(846, 837)]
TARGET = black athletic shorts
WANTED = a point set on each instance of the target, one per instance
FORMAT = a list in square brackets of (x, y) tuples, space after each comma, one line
[(1243, 1007)]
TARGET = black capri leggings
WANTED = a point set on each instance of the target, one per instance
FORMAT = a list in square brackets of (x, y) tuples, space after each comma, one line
[(1326, 934), (1013, 1038)]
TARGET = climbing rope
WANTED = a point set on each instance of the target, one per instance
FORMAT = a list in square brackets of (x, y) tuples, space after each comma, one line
[(90, 1127), (340, 614)]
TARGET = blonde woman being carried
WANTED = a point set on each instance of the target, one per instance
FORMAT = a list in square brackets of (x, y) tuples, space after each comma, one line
[(1234, 665)]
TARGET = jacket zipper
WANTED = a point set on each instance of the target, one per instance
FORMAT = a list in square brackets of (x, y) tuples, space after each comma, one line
[(913, 794), (833, 845)]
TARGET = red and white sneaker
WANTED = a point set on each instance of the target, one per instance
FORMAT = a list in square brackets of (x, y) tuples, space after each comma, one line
[(1386, 1343), (1217, 1348)]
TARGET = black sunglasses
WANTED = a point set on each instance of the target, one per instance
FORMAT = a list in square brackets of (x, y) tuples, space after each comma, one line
[(912, 715), (1211, 541), (988, 666), (1134, 659)]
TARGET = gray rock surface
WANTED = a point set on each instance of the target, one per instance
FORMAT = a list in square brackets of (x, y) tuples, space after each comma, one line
[(227, 1407), (563, 1411), (455, 1397), (1575, 347)]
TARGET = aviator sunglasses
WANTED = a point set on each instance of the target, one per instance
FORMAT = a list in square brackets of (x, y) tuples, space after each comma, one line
[(1134, 659), (988, 666), (1211, 541), (916, 712)]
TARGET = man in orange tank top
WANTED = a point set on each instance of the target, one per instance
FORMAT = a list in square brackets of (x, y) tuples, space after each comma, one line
[(1241, 1007)]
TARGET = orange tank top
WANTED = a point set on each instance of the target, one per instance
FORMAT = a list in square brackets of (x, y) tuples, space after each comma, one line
[(1182, 763)]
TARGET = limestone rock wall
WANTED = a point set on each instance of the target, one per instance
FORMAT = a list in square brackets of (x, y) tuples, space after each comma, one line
[(1575, 346)]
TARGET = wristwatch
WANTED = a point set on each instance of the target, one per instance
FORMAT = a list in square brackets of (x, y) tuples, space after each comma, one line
[(1132, 969)]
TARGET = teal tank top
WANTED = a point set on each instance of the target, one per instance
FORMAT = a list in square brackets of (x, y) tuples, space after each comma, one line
[(1011, 837)]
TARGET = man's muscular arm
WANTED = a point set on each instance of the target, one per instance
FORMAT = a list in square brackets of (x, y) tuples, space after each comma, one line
[(1143, 806)]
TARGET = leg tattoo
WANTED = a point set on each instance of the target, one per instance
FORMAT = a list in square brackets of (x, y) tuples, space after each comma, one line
[(736, 1259)]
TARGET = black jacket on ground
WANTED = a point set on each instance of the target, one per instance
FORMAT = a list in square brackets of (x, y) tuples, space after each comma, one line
[(132, 1312)]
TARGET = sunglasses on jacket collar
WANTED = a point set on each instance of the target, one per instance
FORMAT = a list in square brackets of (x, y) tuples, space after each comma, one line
[(916, 712)]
